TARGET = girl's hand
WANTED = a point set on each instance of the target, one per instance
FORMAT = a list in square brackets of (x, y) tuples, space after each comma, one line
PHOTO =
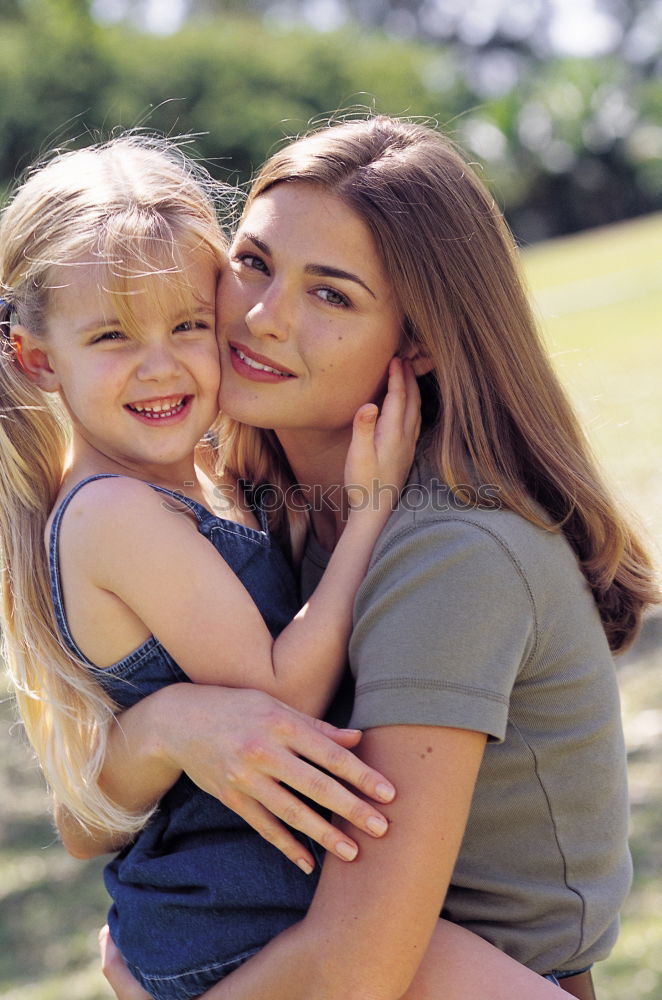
[(383, 444)]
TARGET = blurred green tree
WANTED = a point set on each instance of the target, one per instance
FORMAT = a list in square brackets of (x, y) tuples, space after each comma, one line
[(566, 141)]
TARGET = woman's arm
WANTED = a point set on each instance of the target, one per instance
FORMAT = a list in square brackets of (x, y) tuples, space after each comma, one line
[(373, 931), (457, 965), (418, 655), (371, 922), (249, 751)]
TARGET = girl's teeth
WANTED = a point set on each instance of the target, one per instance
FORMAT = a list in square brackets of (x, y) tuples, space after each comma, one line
[(159, 409)]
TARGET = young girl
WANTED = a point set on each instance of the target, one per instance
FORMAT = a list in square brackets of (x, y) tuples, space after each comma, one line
[(482, 632), (111, 590)]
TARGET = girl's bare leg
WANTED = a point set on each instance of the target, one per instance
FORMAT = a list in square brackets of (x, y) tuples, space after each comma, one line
[(458, 966), (122, 983)]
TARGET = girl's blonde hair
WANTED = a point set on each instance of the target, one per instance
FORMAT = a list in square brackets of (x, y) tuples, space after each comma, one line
[(136, 205), (492, 404)]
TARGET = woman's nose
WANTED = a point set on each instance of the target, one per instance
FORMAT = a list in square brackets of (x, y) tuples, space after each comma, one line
[(271, 316)]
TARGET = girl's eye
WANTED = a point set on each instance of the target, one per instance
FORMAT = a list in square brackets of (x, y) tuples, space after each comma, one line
[(331, 296), (190, 324), (109, 335)]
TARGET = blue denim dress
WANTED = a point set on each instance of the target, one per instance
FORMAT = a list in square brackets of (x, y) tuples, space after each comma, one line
[(198, 892)]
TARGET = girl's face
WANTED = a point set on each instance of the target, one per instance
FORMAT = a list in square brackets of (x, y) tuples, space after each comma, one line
[(307, 320), (140, 401)]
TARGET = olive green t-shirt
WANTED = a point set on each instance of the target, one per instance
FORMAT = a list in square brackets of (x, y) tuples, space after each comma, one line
[(476, 619)]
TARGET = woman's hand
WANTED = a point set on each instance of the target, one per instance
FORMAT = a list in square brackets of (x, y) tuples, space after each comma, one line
[(249, 750), (383, 443)]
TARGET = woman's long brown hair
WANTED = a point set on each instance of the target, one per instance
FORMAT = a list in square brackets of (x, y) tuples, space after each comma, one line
[(493, 404)]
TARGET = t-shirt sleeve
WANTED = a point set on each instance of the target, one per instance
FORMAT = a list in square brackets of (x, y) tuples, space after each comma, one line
[(443, 623)]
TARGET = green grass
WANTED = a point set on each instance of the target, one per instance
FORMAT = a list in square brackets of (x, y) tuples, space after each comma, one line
[(599, 300), (599, 296)]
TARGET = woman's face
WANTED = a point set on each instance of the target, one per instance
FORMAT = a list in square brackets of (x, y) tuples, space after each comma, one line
[(307, 321)]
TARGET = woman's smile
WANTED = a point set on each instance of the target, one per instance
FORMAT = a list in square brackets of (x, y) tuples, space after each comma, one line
[(307, 320), (256, 366)]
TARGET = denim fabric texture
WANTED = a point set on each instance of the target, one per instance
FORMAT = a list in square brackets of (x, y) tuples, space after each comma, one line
[(198, 891)]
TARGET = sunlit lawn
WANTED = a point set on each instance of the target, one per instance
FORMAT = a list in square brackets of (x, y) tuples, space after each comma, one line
[(599, 296)]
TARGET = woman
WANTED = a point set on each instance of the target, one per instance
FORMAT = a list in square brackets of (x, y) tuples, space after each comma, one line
[(484, 681)]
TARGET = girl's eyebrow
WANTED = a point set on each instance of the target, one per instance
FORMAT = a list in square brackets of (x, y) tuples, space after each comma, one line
[(320, 270), (89, 326)]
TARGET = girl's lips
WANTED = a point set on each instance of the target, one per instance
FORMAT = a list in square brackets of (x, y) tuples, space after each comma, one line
[(160, 411), (256, 367)]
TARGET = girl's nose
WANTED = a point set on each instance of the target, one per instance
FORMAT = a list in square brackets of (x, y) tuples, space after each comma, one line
[(157, 363), (271, 316)]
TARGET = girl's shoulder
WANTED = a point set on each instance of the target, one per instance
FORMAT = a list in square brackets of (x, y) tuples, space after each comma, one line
[(92, 509), (99, 493)]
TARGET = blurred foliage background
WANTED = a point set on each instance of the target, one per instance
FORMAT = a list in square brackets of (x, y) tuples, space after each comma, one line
[(561, 100), (560, 103)]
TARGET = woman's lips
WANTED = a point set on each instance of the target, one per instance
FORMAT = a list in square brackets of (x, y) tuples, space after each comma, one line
[(256, 366)]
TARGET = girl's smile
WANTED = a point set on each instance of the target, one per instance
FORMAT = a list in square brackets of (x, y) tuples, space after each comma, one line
[(161, 409), (141, 389)]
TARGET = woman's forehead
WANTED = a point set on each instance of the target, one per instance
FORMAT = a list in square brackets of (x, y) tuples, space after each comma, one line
[(304, 221)]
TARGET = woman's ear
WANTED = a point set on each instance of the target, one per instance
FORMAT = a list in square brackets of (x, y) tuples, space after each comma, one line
[(421, 362), (33, 359)]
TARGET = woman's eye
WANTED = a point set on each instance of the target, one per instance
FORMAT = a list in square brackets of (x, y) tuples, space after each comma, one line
[(251, 260), (331, 296)]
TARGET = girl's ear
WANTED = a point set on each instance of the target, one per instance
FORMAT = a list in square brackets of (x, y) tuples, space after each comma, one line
[(33, 359)]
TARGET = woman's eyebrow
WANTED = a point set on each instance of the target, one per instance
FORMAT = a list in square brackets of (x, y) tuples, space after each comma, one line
[(325, 271), (320, 270), (256, 241)]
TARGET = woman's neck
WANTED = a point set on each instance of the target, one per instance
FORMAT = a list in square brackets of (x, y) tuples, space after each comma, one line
[(317, 461)]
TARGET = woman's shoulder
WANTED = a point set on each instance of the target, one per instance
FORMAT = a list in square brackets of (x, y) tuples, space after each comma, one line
[(428, 503), (468, 531)]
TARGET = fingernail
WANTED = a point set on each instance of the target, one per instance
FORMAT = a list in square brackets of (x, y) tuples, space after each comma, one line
[(305, 866), (347, 851), (377, 825), (385, 792)]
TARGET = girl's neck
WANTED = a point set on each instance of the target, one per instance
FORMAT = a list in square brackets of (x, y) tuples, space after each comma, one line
[(86, 460), (317, 460)]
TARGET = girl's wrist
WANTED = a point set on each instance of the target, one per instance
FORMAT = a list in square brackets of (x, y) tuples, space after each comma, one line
[(161, 726), (367, 522)]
